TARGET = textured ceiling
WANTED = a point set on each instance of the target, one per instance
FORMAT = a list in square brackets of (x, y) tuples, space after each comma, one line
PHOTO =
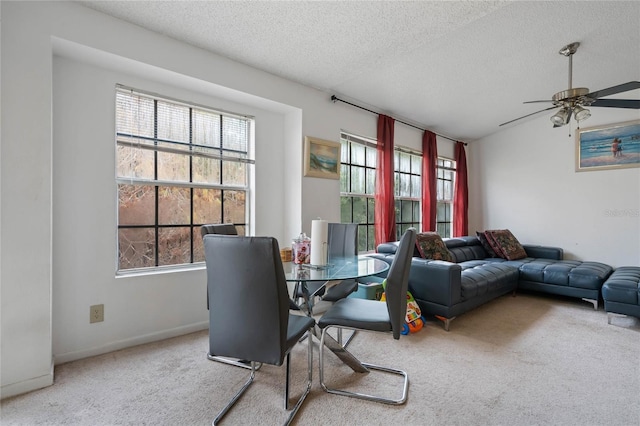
[(458, 68)]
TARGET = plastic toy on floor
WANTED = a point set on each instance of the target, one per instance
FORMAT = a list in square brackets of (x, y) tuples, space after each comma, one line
[(414, 321)]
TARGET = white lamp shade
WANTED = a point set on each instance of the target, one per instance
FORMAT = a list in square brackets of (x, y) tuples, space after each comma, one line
[(561, 117), (581, 113)]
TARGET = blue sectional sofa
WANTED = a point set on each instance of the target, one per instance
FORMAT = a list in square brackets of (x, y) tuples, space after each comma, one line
[(448, 289), (621, 292)]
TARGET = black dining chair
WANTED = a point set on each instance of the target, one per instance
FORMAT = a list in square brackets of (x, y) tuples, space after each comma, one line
[(222, 229), (372, 315), (342, 239), (249, 316), (219, 228)]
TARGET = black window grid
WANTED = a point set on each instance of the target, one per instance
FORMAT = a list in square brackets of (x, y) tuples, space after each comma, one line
[(194, 227)]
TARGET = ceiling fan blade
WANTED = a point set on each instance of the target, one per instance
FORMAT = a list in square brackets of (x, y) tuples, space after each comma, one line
[(535, 102), (624, 87), (528, 115), (617, 103)]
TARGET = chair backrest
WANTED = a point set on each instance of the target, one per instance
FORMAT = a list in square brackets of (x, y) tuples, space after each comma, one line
[(343, 239), (248, 298), (398, 281), (219, 228)]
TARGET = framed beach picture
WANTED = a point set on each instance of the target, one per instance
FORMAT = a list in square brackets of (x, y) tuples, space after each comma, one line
[(321, 158), (613, 146)]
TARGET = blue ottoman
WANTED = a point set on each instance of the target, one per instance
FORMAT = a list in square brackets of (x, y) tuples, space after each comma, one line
[(621, 292)]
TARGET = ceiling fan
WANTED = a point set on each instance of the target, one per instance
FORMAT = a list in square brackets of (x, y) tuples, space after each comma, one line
[(574, 100)]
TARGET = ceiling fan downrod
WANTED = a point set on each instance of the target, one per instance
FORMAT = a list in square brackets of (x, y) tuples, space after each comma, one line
[(571, 95), (572, 99), (569, 50)]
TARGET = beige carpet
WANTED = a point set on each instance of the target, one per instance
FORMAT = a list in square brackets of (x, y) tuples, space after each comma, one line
[(525, 360)]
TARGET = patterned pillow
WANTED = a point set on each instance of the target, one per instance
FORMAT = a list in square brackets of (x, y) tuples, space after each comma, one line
[(431, 246), (493, 244), (485, 244), (505, 244)]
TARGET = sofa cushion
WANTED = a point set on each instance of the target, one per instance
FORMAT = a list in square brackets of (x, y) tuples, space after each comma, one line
[(623, 286), (505, 244), (431, 246), (465, 248), (486, 278), (568, 273)]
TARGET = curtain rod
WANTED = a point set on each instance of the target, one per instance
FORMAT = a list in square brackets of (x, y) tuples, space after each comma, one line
[(335, 99)]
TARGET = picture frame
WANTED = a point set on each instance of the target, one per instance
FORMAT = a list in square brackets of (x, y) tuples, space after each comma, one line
[(613, 146), (321, 158)]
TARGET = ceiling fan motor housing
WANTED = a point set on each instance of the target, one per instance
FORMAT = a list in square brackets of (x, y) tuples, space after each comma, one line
[(574, 96)]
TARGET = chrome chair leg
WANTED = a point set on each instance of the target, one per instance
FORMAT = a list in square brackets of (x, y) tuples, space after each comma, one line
[(295, 409), (353, 334), (234, 362), (398, 401), (254, 367), (224, 411)]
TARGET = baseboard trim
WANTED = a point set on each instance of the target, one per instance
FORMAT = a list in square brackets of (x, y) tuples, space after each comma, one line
[(27, 385), (127, 343)]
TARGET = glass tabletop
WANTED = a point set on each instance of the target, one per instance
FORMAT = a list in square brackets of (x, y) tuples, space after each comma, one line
[(339, 268)]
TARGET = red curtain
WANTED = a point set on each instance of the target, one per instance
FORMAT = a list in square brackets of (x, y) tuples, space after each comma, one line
[(461, 194), (385, 214), (429, 190)]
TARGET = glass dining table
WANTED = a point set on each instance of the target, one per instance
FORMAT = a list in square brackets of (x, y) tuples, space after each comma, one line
[(337, 268)]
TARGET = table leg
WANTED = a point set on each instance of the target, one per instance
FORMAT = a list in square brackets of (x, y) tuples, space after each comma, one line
[(332, 344), (344, 355)]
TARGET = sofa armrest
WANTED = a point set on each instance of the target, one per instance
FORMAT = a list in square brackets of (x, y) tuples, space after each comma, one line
[(544, 252), (387, 248), (435, 281)]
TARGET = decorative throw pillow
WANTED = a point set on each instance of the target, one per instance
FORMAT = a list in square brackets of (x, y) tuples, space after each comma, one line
[(431, 246), (493, 244), (508, 245), (485, 244)]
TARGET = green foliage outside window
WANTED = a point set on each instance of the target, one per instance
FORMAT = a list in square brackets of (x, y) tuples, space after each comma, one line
[(357, 188)]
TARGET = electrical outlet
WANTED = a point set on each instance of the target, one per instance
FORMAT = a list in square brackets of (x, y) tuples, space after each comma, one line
[(96, 313)]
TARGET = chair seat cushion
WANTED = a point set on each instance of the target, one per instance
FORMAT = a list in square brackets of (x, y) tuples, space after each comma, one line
[(298, 325), (340, 290), (357, 313)]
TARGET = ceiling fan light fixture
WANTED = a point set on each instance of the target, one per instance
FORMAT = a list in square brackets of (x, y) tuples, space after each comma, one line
[(561, 117), (581, 113), (574, 99)]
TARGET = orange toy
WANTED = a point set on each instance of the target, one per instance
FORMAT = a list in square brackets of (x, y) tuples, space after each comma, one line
[(414, 321)]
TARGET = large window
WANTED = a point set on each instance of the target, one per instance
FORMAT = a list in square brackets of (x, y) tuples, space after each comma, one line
[(357, 187), (445, 173), (179, 166), (408, 190)]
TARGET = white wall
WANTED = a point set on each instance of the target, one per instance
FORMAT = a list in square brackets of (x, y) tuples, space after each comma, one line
[(85, 220), (60, 62), (524, 179), (57, 241)]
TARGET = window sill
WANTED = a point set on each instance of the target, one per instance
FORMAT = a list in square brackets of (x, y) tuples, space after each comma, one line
[(160, 270)]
